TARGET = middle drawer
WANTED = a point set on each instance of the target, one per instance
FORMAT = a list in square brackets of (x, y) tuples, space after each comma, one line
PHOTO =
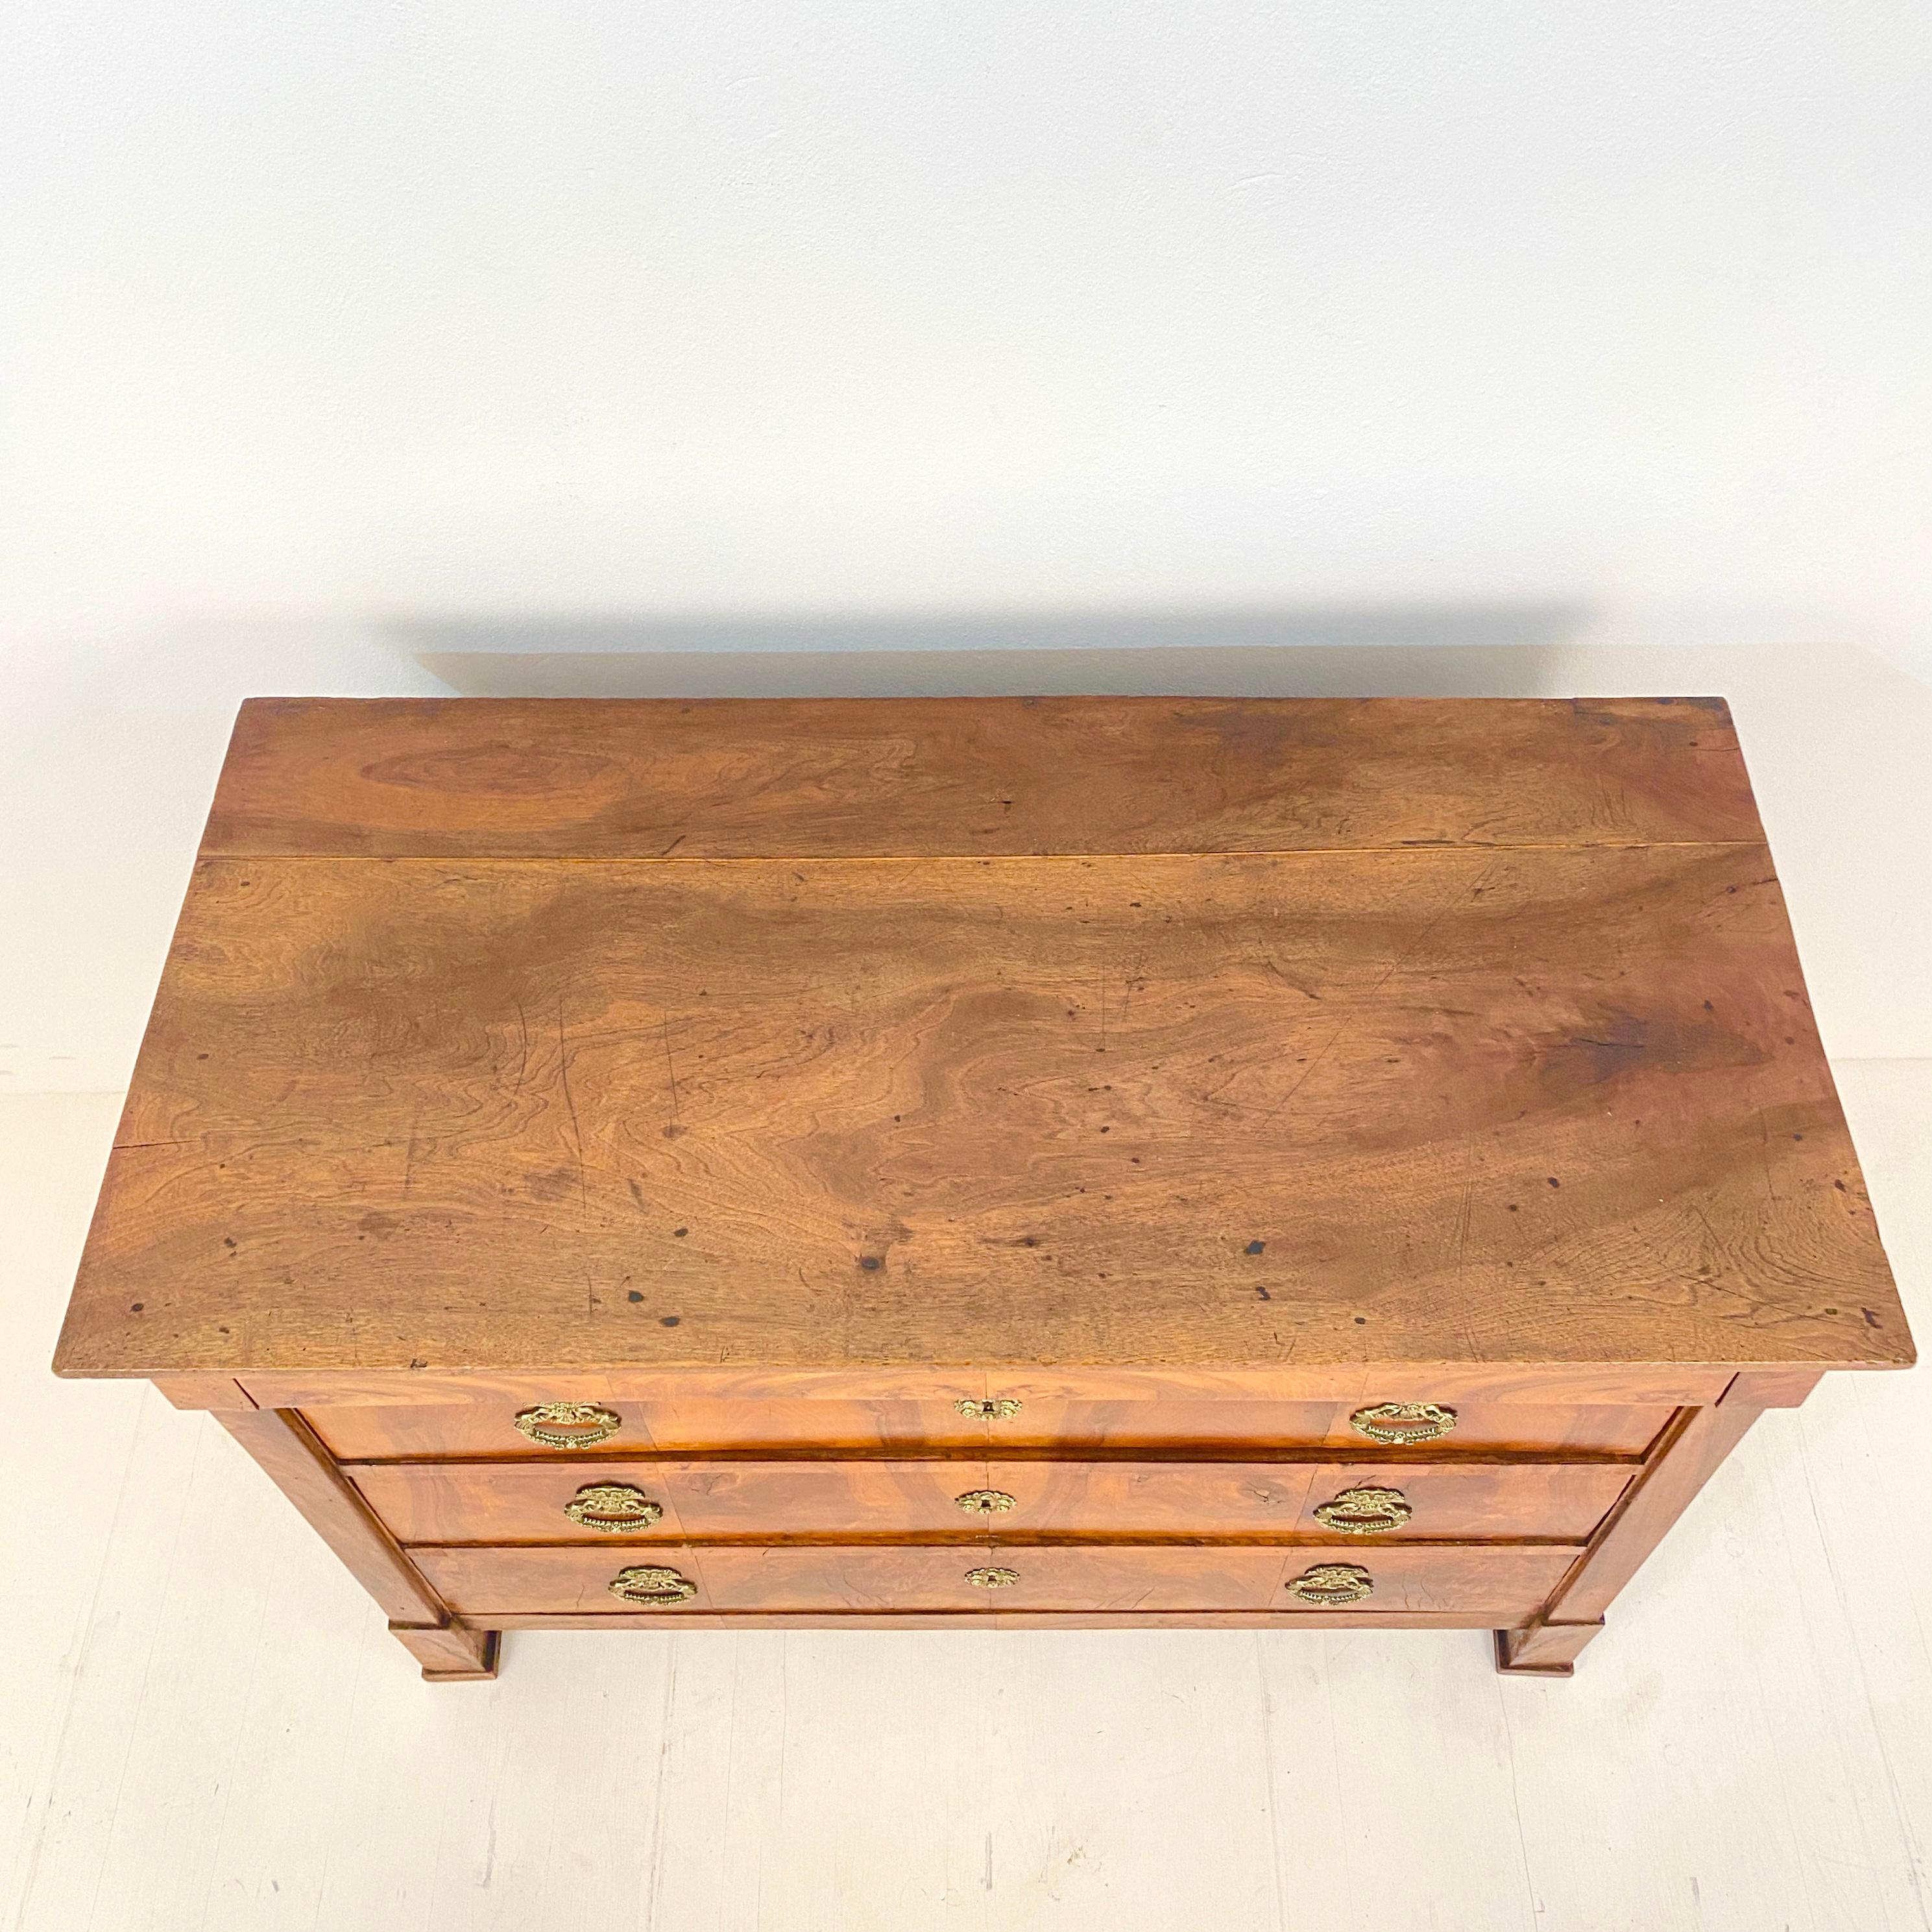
[(614, 1500)]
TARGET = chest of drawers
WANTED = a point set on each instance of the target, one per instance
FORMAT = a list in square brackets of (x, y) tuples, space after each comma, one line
[(885, 1163)]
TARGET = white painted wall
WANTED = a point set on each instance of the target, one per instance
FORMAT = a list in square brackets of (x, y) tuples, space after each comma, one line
[(338, 342), (687, 304)]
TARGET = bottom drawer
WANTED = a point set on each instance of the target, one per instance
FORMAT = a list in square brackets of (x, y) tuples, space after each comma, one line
[(1499, 1583)]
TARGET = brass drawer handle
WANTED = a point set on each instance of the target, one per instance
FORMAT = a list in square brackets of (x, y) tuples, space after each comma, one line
[(984, 1502), (617, 1509), (569, 1425), (1402, 1423), (993, 1579), (1366, 1512), (653, 1588), (1002, 1408), (1333, 1583)]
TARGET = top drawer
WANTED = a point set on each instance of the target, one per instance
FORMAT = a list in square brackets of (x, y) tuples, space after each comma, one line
[(1414, 1423)]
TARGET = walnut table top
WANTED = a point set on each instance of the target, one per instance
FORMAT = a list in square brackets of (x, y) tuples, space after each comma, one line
[(1188, 1033)]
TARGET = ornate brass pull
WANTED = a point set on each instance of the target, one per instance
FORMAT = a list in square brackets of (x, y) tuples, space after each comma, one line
[(1330, 1584), (984, 1502), (993, 1579), (1003, 1408), (652, 1588), (1366, 1512), (569, 1425), (1402, 1423), (616, 1508)]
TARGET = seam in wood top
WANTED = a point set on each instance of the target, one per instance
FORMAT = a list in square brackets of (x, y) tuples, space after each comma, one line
[(1331, 852)]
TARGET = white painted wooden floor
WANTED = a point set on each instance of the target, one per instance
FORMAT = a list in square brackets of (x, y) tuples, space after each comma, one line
[(204, 1725)]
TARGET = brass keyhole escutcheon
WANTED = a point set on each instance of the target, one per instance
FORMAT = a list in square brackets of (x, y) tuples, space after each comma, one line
[(1400, 1423), (1001, 1409), (993, 1579), (652, 1588), (984, 1502), (569, 1425), (1366, 1512), (615, 1509), (1331, 1584)]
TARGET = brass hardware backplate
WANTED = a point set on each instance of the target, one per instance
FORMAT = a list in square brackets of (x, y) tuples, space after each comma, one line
[(994, 1578), (1400, 1424), (1001, 1409), (1366, 1512), (569, 1425), (1333, 1583), (652, 1588), (615, 1509), (984, 1502)]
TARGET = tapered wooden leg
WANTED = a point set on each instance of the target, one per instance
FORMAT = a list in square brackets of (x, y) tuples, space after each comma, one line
[(1544, 1650), (451, 1653)]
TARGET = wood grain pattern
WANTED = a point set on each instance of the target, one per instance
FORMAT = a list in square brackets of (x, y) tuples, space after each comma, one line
[(362, 1432), (210, 1391), (1683, 1461), (450, 1653), (1626, 1385), (1563, 1500), (838, 778), (1582, 1429), (1503, 1582), (463, 1502), (1554, 1106), (1544, 1649), (297, 1464), (1655, 1502), (1483, 1619)]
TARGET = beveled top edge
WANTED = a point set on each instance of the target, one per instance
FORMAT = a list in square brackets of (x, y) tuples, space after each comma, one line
[(970, 777)]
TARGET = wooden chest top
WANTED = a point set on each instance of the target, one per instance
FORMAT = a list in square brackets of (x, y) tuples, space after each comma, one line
[(1185, 1033)]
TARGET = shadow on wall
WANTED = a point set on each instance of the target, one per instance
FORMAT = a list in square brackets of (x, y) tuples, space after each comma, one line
[(1497, 650)]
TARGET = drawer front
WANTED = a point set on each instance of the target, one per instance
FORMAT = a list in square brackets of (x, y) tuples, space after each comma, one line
[(466, 1429), (1502, 1584), (529, 1501), (1502, 1500)]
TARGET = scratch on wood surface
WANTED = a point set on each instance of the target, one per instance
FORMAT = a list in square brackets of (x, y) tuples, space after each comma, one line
[(1287, 979), (576, 1131), (1395, 965), (1133, 978), (523, 1064), (1469, 1195), (409, 1152), (1717, 1240), (670, 1070)]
